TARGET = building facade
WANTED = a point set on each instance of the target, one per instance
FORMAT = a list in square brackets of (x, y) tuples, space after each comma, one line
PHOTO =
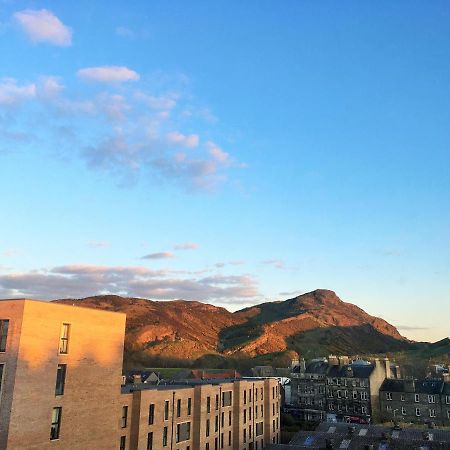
[(61, 388), (338, 389), (416, 401)]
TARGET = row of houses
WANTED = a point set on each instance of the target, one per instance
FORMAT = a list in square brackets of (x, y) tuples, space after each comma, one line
[(61, 387), (338, 389)]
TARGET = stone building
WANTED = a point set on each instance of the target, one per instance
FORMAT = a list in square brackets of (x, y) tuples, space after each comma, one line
[(416, 401), (338, 389), (61, 388)]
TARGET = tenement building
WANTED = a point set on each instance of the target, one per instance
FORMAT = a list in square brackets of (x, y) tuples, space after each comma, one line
[(61, 388), (416, 401), (338, 389)]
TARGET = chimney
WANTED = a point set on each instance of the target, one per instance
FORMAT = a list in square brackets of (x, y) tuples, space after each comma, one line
[(387, 366), (137, 379), (343, 360), (410, 385), (333, 360)]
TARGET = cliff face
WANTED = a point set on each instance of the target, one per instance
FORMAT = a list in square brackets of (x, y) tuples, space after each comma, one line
[(190, 329)]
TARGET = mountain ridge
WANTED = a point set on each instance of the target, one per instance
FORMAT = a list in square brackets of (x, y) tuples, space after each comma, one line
[(184, 330)]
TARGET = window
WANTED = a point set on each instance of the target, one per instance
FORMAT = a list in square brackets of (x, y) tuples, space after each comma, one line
[(166, 410), (150, 441), (245, 397), (259, 429), (245, 416), (124, 416), (245, 435), (223, 420), (388, 395), (355, 395), (262, 410), (60, 379), (273, 425), (416, 398), (226, 398), (123, 442), (448, 414), (229, 417), (64, 339), (249, 395), (2, 372), (447, 399), (164, 440), (402, 397), (207, 446), (388, 408), (189, 406), (183, 432), (207, 427), (179, 407), (363, 410), (151, 414), (431, 399), (217, 402), (216, 423), (262, 393), (418, 412), (4, 325), (221, 440), (208, 404), (56, 423), (432, 413), (249, 413)]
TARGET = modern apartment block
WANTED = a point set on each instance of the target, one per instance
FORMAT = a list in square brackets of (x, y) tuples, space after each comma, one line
[(61, 388), (338, 389), (416, 401)]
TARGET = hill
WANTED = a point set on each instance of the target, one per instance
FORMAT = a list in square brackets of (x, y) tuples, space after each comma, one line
[(179, 332)]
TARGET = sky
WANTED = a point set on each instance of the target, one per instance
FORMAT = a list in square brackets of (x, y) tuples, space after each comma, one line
[(229, 152)]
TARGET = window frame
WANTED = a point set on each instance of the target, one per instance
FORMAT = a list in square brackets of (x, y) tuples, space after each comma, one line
[(3, 334), (55, 428)]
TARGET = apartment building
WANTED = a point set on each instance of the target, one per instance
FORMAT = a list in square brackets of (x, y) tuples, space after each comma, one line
[(416, 401), (338, 389), (61, 388)]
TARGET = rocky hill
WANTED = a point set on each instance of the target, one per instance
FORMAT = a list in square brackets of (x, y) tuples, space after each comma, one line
[(314, 323)]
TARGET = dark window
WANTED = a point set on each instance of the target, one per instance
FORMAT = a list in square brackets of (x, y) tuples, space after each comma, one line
[(60, 379), (217, 401), (4, 325), (207, 427), (56, 423), (215, 444), (207, 446), (229, 438), (2, 372), (123, 442), (208, 404), (229, 417), (216, 423), (226, 398), (189, 406), (150, 441), (183, 432), (166, 410), (221, 440), (124, 416), (64, 339), (179, 407), (164, 437), (151, 414), (245, 397)]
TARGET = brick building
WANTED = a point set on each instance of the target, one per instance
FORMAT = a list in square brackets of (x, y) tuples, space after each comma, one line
[(338, 389), (416, 401), (61, 388)]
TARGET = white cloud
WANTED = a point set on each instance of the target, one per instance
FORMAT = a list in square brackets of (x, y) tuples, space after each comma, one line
[(43, 26), (277, 263), (12, 93), (187, 246), (159, 102), (108, 74), (217, 153), (81, 280), (159, 255), (190, 140), (99, 244)]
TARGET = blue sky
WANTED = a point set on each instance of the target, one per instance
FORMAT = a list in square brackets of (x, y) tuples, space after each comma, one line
[(231, 152)]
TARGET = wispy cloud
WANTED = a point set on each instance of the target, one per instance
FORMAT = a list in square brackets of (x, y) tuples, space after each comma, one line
[(187, 246), (125, 32), (108, 74), (190, 141), (43, 26), (278, 263), (99, 244), (237, 262), (13, 93), (132, 134), (80, 280), (9, 253), (159, 255)]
